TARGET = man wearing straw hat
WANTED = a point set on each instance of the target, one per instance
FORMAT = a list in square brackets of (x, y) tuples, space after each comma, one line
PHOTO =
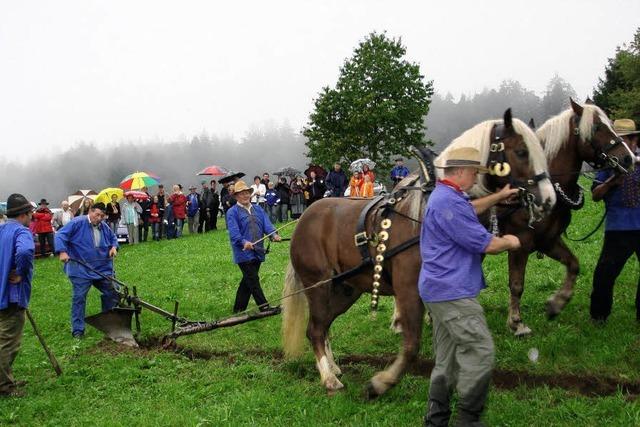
[(16, 269), (621, 195), (452, 243), (247, 224)]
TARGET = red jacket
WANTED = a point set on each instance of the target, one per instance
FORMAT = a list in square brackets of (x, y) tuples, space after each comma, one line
[(42, 219), (179, 202), (154, 213)]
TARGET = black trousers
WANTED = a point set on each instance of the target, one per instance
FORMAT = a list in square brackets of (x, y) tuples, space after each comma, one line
[(212, 223), (143, 229), (44, 239), (249, 286), (617, 248), (204, 218)]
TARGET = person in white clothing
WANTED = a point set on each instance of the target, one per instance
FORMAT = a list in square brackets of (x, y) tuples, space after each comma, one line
[(62, 218), (259, 191)]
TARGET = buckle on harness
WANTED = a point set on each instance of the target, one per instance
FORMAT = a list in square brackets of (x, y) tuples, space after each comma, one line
[(361, 238)]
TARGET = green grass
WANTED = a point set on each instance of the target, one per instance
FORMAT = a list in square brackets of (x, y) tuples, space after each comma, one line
[(245, 385)]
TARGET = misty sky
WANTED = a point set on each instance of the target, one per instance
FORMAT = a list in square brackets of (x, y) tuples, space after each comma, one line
[(113, 71)]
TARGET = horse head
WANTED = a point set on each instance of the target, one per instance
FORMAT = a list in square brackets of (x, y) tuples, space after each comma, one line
[(598, 144)]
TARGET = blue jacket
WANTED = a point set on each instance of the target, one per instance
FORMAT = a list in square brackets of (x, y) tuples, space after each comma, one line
[(272, 197), (76, 239), (399, 172), (238, 224), (194, 204), (16, 253)]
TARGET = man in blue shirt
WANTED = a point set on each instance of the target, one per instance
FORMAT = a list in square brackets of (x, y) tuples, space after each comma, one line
[(399, 172), (247, 223), (88, 238), (621, 195), (16, 269), (452, 242)]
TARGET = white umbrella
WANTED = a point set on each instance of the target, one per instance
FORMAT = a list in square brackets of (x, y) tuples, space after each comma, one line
[(77, 199), (356, 165)]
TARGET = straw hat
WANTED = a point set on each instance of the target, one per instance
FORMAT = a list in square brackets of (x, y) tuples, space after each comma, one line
[(241, 186), (625, 127), (465, 157)]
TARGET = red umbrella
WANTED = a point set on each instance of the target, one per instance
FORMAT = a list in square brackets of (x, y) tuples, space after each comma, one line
[(213, 170), (137, 195)]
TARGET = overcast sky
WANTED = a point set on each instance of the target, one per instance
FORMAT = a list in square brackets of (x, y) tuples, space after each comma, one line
[(112, 71)]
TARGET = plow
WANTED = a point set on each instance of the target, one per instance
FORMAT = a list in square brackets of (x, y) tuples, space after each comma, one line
[(116, 323)]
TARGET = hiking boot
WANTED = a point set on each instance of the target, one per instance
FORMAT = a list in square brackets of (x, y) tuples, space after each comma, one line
[(12, 392)]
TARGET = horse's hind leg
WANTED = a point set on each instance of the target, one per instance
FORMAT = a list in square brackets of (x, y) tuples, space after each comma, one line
[(411, 313), (517, 269), (325, 305), (556, 302)]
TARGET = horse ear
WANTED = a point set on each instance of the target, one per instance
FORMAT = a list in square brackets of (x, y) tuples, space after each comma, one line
[(532, 124), (507, 119), (577, 108), (589, 101)]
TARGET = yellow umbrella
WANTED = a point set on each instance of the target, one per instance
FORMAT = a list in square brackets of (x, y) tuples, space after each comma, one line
[(105, 195)]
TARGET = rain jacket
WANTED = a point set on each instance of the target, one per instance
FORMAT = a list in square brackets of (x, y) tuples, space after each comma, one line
[(240, 231), (42, 219), (76, 239), (17, 252), (179, 203)]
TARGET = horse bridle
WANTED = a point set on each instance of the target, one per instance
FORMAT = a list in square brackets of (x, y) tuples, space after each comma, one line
[(602, 158), (498, 165)]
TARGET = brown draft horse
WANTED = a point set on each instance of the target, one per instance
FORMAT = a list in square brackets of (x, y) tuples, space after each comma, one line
[(579, 134), (322, 246)]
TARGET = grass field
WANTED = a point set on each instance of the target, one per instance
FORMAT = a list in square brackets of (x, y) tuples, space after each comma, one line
[(237, 376)]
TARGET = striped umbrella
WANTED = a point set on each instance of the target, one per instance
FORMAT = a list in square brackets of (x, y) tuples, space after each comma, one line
[(137, 180), (77, 199)]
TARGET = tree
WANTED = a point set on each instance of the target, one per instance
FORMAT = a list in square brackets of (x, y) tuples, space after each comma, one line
[(619, 93), (556, 97), (376, 109)]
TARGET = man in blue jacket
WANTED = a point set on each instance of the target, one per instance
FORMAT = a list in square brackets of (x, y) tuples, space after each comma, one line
[(16, 269), (337, 181), (89, 239), (247, 223)]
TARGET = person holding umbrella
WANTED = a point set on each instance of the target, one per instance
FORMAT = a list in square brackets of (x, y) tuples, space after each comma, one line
[(247, 224), (88, 239), (113, 213), (16, 270)]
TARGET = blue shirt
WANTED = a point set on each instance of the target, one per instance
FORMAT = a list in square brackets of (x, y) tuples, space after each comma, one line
[(399, 172), (452, 242), (77, 239), (622, 214), (247, 227), (16, 253)]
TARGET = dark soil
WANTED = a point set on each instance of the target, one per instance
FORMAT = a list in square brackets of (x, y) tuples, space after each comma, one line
[(585, 385)]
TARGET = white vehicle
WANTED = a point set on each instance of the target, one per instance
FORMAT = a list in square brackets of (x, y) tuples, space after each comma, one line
[(378, 188)]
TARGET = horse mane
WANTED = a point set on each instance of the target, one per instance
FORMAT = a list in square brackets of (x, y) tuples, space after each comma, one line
[(554, 133), (479, 137)]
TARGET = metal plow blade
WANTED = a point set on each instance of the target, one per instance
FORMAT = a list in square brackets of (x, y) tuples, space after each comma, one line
[(116, 324)]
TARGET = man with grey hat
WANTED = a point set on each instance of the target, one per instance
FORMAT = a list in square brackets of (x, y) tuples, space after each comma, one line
[(621, 195), (16, 269), (452, 243)]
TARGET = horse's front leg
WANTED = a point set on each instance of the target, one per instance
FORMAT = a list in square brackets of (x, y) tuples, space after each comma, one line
[(411, 312), (556, 302), (517, 269)]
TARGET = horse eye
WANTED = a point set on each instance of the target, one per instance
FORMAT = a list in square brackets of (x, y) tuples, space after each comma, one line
[(522, 153)]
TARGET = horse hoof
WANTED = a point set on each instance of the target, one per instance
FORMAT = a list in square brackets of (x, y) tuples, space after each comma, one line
[(552, 309), (522, 330), (333, 386), (370, 392), (396, 327)]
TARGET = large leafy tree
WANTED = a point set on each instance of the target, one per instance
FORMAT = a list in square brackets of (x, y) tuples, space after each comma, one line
[(619, 92), (556, 97), (376, 109)]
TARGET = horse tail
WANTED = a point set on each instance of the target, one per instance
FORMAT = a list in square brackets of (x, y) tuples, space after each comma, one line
[(294, 310)]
